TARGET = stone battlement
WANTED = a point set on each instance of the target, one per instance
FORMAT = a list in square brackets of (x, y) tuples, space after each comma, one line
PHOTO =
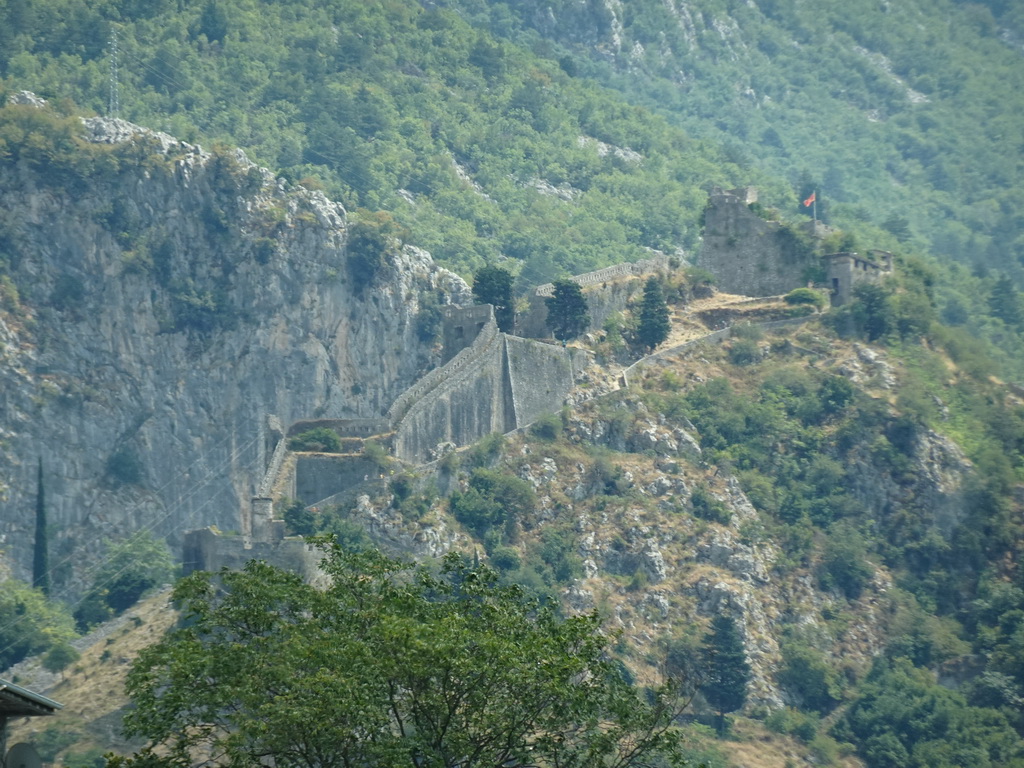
[(628, 269)]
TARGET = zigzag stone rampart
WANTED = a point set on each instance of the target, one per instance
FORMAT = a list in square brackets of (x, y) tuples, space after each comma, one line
[(469, 402), (437, 376)]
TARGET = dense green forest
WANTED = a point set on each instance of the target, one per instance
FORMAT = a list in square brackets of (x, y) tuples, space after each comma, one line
[(900, 115), (897, 113), (480, 149)]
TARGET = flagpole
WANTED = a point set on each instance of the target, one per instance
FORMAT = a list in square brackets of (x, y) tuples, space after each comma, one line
[(814, 208)]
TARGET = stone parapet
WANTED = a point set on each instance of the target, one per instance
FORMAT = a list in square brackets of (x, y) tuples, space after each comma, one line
[(439, 375), (642, 267)]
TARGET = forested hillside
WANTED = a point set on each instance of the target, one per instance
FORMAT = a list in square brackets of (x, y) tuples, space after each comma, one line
[(568, 137), (901, 114)]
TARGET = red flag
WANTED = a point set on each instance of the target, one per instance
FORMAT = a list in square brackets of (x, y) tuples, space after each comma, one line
[(809, 200)]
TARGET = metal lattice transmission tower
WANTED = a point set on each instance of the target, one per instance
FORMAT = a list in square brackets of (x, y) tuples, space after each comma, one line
[(114, 101)]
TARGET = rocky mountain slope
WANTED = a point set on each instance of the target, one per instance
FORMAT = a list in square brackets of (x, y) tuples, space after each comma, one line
[(167, 303), (629, 515)]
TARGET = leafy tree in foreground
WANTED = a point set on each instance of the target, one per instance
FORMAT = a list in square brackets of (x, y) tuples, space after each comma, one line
[(567, 310), (493, 285), (726, 670), (387, 666), (654, 323)]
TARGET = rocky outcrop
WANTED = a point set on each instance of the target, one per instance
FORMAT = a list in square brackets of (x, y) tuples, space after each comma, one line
[(169, 301)]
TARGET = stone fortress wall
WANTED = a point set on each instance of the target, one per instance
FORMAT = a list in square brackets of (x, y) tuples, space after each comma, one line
[(467, 357), (608, 291), (490, 382), (468, 400), (495, 382)]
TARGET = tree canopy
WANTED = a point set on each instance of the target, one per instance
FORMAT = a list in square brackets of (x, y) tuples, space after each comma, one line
[(654, 322), (493, 285), (388, 665), (567, 310)]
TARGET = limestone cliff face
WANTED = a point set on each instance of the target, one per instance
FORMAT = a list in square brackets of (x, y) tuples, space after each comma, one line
[(167, 307)]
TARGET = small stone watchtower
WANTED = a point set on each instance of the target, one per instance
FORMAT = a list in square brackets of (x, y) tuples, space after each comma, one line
[(748, 254), (461, 326), (848, 270)]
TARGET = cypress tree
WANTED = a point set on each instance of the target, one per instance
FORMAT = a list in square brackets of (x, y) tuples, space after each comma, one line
[(493, 285), (41, 556), (568, 315), (726, 670), (654, 323)]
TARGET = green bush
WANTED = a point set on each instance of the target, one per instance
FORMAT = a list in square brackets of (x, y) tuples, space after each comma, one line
[(808, 675), (904, 719), (93, 757), (506, 559), (372, 238), (54, 740), (130, 569), (707, 507), (748, 331), (60, 657), (744, 352), (29, 623), (844, 562), (378, 455), (806, 296), (485, 450), (298, 520), (794, 722), (701, 282), (493, 500), (547, 427), (428, 323), (320, 439), (350, 535)]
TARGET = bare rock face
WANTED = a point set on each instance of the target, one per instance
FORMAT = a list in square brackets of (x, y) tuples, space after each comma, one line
[(170, 300), (934, 484)]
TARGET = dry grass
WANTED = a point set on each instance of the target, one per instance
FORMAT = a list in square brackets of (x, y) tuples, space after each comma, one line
[(92, 691), (754, 746)]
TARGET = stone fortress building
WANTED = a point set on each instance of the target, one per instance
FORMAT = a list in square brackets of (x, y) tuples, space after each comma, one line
[(753, 256)]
